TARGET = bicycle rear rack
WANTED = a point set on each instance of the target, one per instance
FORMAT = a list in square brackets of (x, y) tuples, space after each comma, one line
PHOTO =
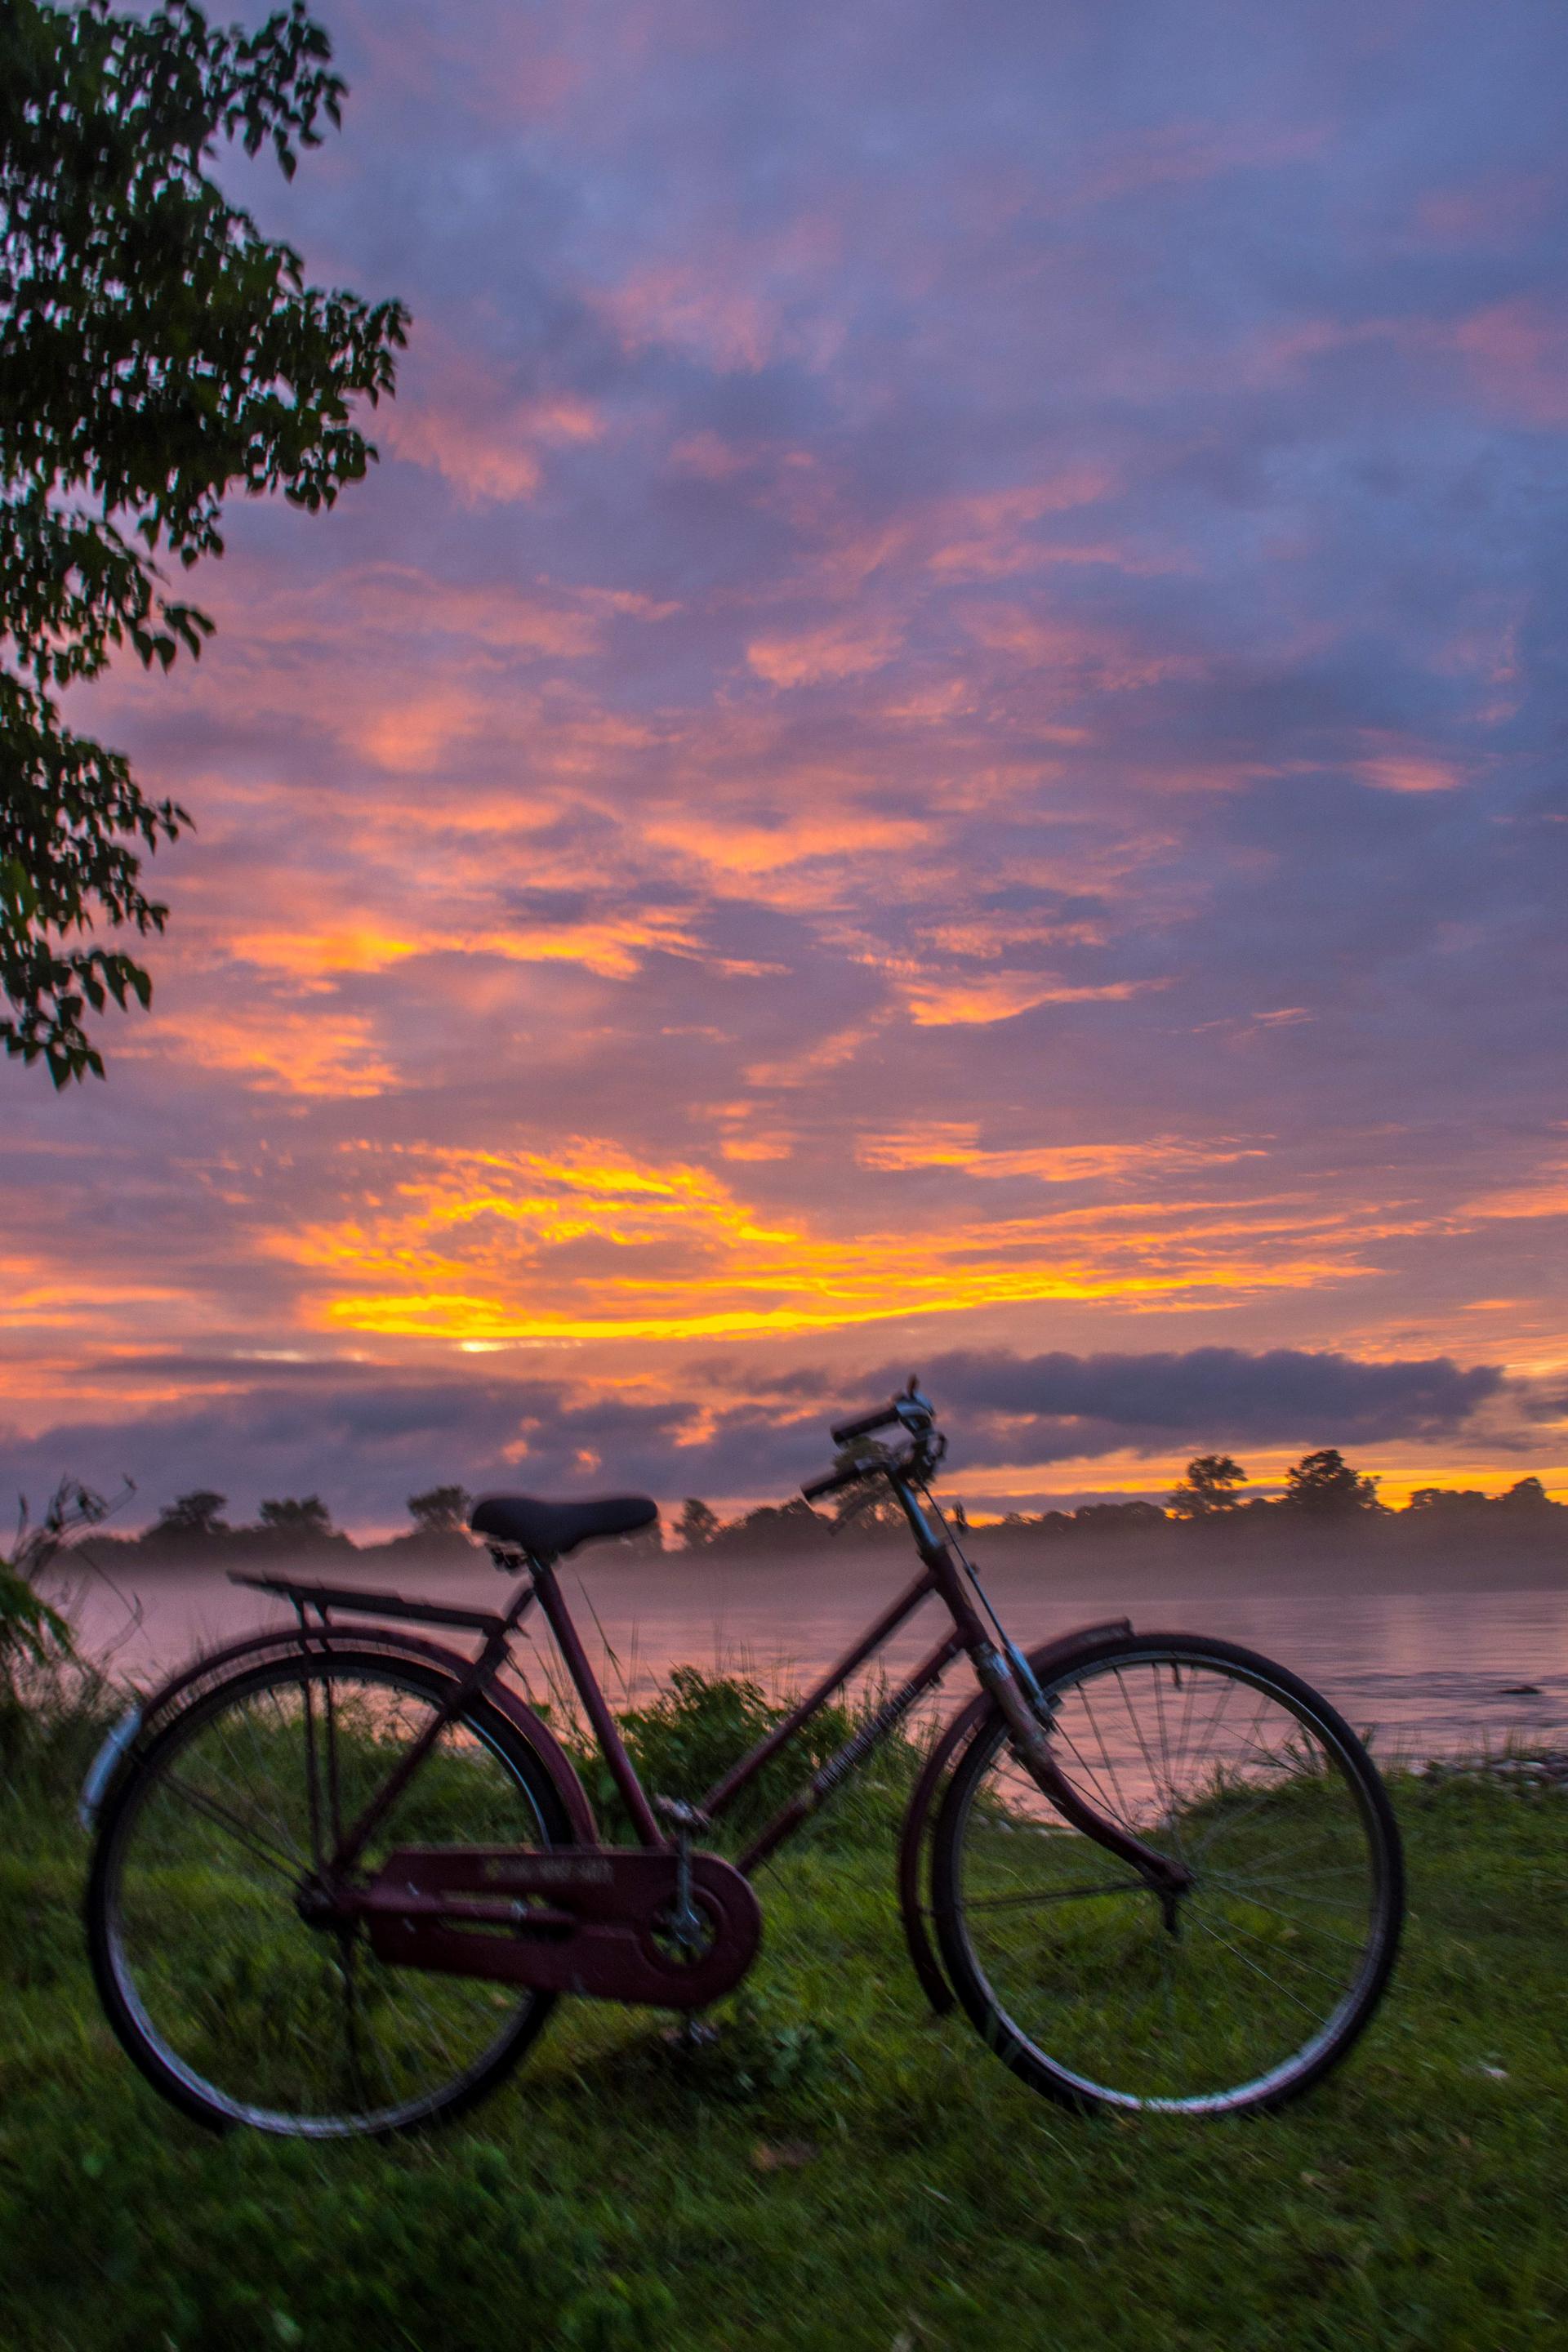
[(325, 1597)]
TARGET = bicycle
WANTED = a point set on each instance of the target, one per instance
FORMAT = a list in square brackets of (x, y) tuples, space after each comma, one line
[(342, 1874)]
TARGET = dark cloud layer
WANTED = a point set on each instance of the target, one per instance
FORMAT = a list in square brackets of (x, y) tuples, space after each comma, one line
[(1056, 1407), (364, 1441)]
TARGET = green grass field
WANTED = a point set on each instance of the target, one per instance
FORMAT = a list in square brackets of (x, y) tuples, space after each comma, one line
[(839, 2170)]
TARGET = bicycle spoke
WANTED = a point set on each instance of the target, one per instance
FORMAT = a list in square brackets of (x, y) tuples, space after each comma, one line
[(286, 1865), (1173, 1808), (1351, 1943), (1106, 1804), (1261, 1970), (1138, 1732), (1203, 1928), (296, 2025), (1123, 1812), (1053, 1895)]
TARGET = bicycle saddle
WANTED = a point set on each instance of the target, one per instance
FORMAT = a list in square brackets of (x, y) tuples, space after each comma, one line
[(546, 1530)]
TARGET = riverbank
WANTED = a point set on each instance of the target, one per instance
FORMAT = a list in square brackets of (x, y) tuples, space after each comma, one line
[(840, 2173)]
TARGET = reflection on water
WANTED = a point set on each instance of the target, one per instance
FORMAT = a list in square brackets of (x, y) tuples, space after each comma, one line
[(1430, 1671)]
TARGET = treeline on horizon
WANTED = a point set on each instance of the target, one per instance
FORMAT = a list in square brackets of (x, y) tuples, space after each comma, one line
[(1322, 1492)]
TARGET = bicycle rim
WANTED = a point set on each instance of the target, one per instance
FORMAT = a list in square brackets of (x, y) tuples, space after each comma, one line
[(233, 2005), (1259, 1977)]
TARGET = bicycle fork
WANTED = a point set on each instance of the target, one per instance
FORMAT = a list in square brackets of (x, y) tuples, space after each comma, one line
[(1006, 1673), (1028, 1715)]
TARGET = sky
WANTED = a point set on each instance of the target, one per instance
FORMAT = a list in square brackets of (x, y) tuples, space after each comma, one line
[(936, 746)]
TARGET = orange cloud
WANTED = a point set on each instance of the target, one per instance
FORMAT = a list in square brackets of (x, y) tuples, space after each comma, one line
[(274, 1050), (412, 736), (944, 1003), (469, 1246), (740, 849), (612, 946), (1545, 1196), (955, 1144)]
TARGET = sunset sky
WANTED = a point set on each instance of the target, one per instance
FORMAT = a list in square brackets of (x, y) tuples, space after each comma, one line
[(938, 745)]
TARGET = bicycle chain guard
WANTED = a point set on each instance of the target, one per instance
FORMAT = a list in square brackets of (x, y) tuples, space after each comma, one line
[(584, 1919)]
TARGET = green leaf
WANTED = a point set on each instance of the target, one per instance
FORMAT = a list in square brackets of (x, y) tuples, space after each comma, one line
[(157, 353)]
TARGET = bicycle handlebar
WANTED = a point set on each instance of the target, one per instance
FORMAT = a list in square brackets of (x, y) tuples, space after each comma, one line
[(911, 1411), (882, 1418), (835, 1479)]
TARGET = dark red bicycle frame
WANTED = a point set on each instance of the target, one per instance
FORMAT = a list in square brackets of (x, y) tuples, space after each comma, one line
[(940, 1574), (1004, 1677)]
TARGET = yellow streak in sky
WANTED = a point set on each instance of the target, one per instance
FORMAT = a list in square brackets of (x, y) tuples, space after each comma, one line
[(484, 1247)]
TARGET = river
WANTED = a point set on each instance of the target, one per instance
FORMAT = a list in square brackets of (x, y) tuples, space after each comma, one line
[(1438, 1657)]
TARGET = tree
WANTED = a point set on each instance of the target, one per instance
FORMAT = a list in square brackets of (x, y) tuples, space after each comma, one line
[(1525, 1495), (307, 1521), (648, 1538), (697, 1525), (191, 1518), (1323, 1485), (442, 1511), (1118, 1519), (1446, 1498), (157, 351), (777, 1527), (1207, 1490), (871, 1511)]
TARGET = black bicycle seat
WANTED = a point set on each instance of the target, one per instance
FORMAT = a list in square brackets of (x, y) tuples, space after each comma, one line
[(546, 1530)]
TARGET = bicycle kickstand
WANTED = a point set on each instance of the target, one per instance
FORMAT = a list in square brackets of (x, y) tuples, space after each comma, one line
[(691, 2032)]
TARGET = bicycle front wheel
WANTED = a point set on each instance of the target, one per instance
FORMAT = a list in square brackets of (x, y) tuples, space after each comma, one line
[(1242, 1989), (237, 2000)]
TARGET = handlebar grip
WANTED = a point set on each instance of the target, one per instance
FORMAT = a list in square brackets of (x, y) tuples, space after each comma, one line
[(881, 1419), (835, 1479)]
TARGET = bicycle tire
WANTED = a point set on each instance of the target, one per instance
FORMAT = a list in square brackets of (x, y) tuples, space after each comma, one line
[(125, 1983), (1044, 1997)]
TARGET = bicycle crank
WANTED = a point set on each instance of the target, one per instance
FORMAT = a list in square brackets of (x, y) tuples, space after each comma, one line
[(595, 1920)]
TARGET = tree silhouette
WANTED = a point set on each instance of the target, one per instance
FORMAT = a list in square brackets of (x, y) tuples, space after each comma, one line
[(441, 1511), (697, 1524), (1525, 1495), (191, 1519), (302, 1521), (1324, 1486), (1206, 1489)]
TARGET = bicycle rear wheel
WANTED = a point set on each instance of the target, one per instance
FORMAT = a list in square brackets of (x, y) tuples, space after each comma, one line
[(233, 1997), (1259, 1977)]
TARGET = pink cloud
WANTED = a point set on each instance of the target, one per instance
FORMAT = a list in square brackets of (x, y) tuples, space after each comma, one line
[(842, 649), (1494, 210), (1518, 353)]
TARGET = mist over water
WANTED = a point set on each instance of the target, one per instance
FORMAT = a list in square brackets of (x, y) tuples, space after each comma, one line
[(1436, 1656)]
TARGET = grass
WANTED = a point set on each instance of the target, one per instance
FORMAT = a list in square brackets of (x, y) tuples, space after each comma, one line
[(839, 2170)]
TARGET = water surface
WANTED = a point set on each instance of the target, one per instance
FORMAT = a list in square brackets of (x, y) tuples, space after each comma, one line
[(1432, 1657)]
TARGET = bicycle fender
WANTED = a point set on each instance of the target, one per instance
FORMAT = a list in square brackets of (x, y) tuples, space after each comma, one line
[(923, 1958), (284, 1641)]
